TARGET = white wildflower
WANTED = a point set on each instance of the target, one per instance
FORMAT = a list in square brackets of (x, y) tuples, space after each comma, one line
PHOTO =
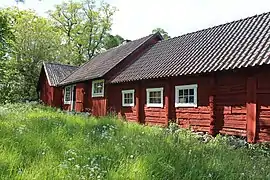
[(20, 171)]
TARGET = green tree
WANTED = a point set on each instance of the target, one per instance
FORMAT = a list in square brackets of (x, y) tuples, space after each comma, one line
[(74, 33), (6, 35), (164, 34), (85, 25), (6, 42), (113, 41), (36, 40)]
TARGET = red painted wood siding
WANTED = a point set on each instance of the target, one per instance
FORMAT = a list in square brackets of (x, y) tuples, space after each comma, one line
[(263, 100), (229, 107), (57, 96), (231, 103), (197, 118), (231, 110), (97, 106), (45, 89), (115, 102), (153, 115)]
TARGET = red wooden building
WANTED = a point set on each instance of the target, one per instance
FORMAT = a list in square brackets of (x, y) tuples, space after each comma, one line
[(214, 80), (50, 76)]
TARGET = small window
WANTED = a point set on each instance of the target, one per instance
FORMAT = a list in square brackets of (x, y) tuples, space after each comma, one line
[(154, 97), (186, 96), (98, 88), (128, 98), (67, 97)]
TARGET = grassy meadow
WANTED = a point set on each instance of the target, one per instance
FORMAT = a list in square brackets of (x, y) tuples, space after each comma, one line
[(39, 142)]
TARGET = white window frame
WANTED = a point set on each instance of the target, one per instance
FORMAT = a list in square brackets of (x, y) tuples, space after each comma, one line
[(98, 94), (67, 102), (191, 86), (148, 104), (123, 98)]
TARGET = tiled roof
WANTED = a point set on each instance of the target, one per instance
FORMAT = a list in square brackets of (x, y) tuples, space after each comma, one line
[(237, 44), (57, 72), (104, 62)]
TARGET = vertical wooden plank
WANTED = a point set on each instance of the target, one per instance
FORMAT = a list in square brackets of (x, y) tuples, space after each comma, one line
[(142, 91), (167, 102), (79, 105), (251, 109), (138, 103), (212, 106)]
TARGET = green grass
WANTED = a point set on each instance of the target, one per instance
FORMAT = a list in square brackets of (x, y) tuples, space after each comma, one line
[(43, 143)]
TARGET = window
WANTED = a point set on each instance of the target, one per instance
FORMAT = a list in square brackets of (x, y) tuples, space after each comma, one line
[(128, 98), (186, 96), (67, 97), (98, 88), (154, 97)]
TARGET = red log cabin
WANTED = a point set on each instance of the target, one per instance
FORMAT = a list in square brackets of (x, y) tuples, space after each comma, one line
[(214, 80)]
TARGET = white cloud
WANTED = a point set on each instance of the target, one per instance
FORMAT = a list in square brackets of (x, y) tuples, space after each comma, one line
[(137, 18)]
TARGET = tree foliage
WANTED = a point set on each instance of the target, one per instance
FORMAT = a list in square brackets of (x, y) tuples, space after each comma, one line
[(85, 25), (36, 40), (164, 34), (113, 41), (6, 41), (73, 33), (6, 35)]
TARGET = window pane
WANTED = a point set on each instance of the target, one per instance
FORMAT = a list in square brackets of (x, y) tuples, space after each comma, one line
[(67, 97), (128, 101), (191, 99), (185, 91), (151, 100), (191, 91), (186, 95), (125, 96), (128, 98), (183, 100), (98, 87), (155, 97), (181, 92)]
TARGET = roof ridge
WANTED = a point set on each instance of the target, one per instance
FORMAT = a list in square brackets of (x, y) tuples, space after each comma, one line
[(233, 45), (219, 25), (121, 45), (57, 63), (146, 39)]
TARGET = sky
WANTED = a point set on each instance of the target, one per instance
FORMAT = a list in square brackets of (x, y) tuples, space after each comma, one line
[(137, 18)]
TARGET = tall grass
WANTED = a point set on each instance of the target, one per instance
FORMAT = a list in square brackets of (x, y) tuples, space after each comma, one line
[(43, 143)]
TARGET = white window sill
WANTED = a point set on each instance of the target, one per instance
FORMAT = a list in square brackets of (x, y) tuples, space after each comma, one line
[(185, 105), (67, 102), (155, 105), (97, 95), (128, 105)]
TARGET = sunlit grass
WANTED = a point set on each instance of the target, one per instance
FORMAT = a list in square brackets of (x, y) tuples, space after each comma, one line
[(38, 142)]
